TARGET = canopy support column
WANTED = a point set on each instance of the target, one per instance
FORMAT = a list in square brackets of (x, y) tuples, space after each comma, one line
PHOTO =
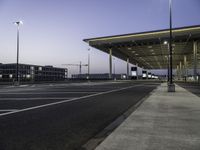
[(185, 67), (195, 59), (110, 63), (181, 71), (177, 72), (127, 68)]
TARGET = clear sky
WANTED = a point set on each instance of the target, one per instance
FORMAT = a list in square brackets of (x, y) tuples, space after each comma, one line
[(53, 30)]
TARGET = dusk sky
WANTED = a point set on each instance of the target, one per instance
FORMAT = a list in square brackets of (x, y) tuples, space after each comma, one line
[(53, 30)]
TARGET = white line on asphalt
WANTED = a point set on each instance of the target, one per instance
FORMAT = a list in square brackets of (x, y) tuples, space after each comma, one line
[(25, 85), (2, 110), (64, 101), (35, 98), (35, 93)]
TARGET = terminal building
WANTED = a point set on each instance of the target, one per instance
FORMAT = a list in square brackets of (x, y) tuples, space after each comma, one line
[(31, 73), (150, 51), (104, 76)]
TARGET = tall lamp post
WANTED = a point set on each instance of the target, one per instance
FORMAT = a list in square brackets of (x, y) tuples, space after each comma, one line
[(171, 86), (167, 57), (17, 67)]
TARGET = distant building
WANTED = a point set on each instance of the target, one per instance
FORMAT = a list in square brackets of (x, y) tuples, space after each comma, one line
[(104, 76), (32, 73)]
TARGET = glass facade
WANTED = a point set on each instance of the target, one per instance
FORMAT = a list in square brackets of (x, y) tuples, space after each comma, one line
[(32, 73)]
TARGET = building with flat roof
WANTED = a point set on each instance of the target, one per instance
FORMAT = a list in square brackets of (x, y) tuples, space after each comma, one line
[(150, 50), (28, 72), (100, 76)]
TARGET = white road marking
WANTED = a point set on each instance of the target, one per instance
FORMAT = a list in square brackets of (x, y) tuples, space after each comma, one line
[(64, 84), (35, 93), (24, 85), (35, 98), (2, 110), (18, 90), (70, 100)]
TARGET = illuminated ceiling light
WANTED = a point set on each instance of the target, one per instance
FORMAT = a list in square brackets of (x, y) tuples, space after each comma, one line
[(151, 50), (149, 46), (136, 54), (129, 48), (165, 42)]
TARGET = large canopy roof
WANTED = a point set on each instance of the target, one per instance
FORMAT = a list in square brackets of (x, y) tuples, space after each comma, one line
[(147, 49)]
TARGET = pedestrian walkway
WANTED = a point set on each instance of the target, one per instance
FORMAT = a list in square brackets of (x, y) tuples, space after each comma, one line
[(165, 121)]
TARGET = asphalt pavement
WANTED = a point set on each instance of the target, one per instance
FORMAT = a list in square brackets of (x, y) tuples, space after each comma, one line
[(63, 116)]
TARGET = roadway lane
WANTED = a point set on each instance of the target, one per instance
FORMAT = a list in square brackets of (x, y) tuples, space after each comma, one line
[(69, 125), (28, 96)]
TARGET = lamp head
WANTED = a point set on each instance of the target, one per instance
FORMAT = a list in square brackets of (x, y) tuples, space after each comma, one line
[(18, 23)]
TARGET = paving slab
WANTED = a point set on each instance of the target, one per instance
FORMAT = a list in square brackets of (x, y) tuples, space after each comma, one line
[(165, 121)]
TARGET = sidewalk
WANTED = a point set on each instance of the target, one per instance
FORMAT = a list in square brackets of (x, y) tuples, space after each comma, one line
[(165, 121)]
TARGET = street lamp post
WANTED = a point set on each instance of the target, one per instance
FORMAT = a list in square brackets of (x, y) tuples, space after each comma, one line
[(17, 67), (88, 65), (171, 86), (167, 57)]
